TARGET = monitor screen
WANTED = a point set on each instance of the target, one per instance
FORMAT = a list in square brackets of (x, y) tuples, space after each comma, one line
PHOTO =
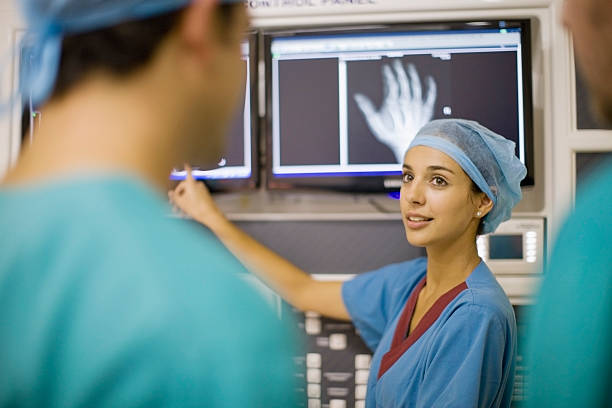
[(505, 246), (343, 105), (237, 167)]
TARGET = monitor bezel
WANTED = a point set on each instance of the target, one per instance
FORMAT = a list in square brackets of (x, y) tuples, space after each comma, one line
[(377, 183), (253, 181)]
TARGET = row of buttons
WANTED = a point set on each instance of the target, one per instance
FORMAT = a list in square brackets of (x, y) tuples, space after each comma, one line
[(314, 390), (531, 245), (362, 372), (313, 377), (337, 341), (335, 403), (362, 361)]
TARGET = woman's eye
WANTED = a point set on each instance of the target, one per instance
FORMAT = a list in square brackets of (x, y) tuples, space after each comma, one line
[(406, 178), (439, 181)]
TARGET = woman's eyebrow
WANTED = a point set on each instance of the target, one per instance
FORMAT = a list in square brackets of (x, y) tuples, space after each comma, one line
[(430, 168), (440, 168)]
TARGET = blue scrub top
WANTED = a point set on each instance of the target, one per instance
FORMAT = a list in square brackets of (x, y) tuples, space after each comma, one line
[(107, 302), (464, 359)]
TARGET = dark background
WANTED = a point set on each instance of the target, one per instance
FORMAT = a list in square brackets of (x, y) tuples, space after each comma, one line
[(234, 148), (308, 105), (477, 86)]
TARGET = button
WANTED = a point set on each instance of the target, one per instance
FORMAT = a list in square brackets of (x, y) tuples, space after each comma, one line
[(361, 376), (313, 375), (360, 391), (313, 360), (530, 234), (315, 403), (360, 404), (314, 391), (362, 361), (337, 341), (531, 240), (312, 325), (336, 403), (312, 314)]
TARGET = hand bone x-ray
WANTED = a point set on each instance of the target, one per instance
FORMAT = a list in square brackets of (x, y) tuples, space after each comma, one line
[(405, 108)]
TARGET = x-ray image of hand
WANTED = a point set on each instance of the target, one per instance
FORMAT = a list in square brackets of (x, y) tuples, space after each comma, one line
[(404, 110)]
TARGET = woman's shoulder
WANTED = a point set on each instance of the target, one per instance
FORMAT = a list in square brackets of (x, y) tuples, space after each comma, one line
[(412, 266), (402, 273), (392, 282), (486, 296)]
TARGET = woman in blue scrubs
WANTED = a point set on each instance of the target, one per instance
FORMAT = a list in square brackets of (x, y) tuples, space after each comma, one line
[(442, 329)]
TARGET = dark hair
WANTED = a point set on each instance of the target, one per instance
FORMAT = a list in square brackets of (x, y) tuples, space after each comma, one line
[(119, 50)]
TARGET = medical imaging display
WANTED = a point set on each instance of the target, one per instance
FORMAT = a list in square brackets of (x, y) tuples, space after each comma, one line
[(237, 162), (347, 104), (476, 86)]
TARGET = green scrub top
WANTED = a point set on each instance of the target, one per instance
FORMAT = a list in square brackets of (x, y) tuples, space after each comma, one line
[(105, 301), (570, 338)]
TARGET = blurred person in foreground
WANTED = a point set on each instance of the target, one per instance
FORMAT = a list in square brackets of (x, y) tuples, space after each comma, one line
[(104, 300), (570, 339)]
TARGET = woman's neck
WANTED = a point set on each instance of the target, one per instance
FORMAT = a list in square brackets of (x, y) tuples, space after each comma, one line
[(450, 264)]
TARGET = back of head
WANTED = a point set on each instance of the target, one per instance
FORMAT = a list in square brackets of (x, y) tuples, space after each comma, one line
[(488, 159), (68, 39)]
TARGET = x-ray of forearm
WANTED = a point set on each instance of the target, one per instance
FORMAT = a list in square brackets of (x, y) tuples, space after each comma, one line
[(404, 109)]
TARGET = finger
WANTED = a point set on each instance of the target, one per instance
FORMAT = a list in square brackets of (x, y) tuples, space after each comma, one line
[(402, 79), (365, 105), (189, 176), (417, 91), (372, 117), (390, 83), (432, 93)]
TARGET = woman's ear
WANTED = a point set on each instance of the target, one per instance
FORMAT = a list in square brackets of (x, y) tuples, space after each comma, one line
[(484, 204)]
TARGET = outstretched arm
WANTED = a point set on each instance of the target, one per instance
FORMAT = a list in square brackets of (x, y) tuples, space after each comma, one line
[(292, 283)]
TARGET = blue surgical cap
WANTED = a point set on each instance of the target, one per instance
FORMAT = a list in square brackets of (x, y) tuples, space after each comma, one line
[(50, 20), (488, 159)]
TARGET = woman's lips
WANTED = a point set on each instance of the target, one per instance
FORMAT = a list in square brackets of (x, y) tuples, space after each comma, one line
[(417, 221)]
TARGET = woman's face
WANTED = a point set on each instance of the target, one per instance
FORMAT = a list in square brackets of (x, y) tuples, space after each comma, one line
[(437, 202)]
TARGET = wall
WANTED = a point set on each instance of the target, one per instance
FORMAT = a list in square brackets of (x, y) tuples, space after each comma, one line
[(10, 23)]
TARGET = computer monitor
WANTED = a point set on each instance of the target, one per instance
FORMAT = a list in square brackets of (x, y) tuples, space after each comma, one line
[(343, 104), (237, 168)]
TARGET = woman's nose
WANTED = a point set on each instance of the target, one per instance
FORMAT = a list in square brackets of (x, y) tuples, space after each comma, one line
[(413, 193)]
